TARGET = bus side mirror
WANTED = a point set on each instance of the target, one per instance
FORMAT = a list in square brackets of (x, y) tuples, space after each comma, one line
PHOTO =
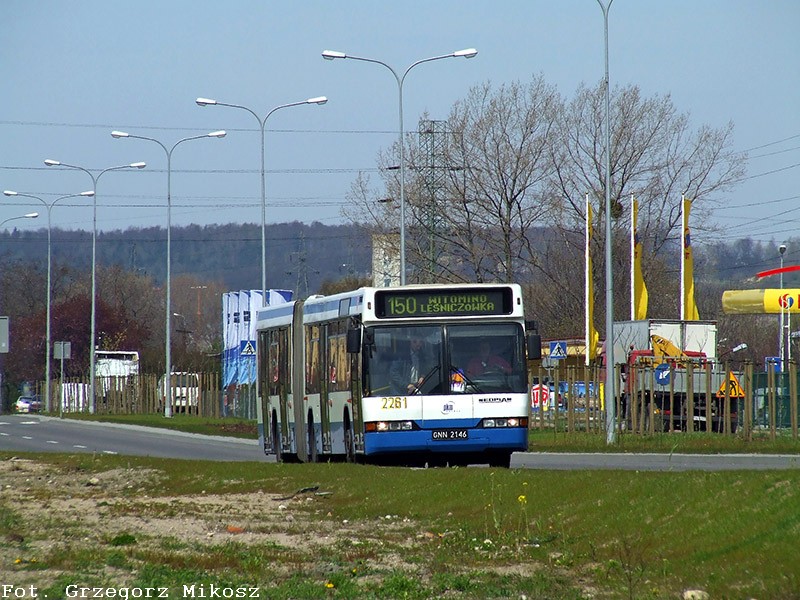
[(534, 346), (354, 340)]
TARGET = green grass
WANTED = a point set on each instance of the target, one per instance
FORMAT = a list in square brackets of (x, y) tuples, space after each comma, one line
[(471, 533), (680, 442), (228, 426), (548, 440)]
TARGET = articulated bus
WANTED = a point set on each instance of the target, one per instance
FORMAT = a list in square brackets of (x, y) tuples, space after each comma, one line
[(330, 382)]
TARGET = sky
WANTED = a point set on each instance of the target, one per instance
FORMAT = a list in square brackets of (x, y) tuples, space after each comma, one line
[(74, 71)]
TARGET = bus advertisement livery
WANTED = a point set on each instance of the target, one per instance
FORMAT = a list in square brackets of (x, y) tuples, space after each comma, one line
[(417, 374)]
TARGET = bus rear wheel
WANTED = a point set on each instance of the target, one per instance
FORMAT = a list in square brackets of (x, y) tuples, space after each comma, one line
[(349, 439), (276, 440), (312, 440)]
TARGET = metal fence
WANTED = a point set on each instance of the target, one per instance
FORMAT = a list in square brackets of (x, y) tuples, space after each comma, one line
[(668, 397), (566, 398)]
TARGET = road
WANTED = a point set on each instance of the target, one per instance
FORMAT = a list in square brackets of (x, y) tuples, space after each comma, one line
[(36, 433), (655, 462)]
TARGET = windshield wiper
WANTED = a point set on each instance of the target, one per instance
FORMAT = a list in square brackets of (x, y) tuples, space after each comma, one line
[(418, 389)]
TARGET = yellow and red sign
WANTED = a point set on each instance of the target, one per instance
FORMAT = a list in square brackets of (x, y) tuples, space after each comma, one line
[(770, 301)]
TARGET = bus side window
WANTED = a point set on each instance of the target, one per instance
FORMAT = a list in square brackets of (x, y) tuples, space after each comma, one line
[(313, 350), (338, 364)]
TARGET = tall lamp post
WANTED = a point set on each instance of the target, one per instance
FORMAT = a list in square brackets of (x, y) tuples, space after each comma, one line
[(467, 53), (168, 326), (262, 123), (782, 302), (137, 165), (610, 395), (49, 207)]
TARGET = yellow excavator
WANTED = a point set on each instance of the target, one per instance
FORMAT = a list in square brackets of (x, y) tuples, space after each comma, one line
[(663, 348)]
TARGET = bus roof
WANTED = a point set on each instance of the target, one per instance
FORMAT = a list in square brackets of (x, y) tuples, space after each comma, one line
[(362, 300)]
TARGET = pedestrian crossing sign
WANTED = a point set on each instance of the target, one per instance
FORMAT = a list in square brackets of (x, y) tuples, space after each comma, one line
[(247, 348), (733, 387), (558, 350)]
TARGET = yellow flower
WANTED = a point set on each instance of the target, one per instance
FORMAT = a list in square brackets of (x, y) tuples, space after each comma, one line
[(329, 585), (522, 499), (19, 560)]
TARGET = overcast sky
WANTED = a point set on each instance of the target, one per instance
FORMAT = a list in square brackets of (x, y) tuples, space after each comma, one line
[(73, 71)]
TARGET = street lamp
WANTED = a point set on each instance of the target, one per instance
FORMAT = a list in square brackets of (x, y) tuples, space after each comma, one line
[(32, 215), (782, 302), (467, 53), (610, 395), (262, 123), (168, 152), (49, 207), (137, 165)]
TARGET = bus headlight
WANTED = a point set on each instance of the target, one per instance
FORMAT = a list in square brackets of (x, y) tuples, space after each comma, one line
[(508, 422)]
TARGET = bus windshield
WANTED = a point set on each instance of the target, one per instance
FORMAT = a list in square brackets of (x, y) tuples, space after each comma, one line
[(445, 359)]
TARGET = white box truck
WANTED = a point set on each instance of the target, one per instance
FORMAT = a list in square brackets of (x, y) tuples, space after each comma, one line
[(671, 376)]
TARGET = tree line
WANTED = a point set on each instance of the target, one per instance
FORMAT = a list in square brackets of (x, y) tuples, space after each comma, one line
[(131, 309)]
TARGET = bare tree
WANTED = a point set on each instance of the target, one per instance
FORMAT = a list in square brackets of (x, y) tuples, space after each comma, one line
[(655, 156), (521, 161), (502, 143)]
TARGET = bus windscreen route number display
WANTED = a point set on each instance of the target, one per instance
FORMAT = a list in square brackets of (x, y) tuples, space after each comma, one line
[(425, 303)]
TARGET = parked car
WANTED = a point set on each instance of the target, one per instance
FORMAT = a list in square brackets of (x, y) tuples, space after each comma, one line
[(28, 404)]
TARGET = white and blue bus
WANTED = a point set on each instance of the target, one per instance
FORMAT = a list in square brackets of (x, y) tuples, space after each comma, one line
[(328, 383)]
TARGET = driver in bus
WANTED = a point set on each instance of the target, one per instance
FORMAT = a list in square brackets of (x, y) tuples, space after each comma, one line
[(408, 373), (486, 362)]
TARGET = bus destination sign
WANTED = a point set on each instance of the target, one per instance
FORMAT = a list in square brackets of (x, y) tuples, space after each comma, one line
[(397, 304)]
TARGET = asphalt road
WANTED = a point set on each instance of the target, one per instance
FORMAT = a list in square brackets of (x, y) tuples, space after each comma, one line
[(36, 433), (655, 462)]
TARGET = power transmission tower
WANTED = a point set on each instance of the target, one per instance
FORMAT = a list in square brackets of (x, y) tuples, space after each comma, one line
[(433, 150), (299, 259)]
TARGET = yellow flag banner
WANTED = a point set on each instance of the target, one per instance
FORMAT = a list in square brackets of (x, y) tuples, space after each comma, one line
[(689, 307), (759, 302), (639, 288), (592, 337)]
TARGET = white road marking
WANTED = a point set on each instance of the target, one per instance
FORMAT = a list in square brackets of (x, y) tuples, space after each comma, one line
[(109, 452), (3, 433), (26, 437), (51, 442), (78, 446)]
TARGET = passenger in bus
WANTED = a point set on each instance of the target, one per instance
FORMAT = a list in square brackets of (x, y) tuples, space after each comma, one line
[(408, 373), (486, 362)]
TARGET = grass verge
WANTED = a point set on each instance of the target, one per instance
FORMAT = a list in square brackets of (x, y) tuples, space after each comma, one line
[(228, 426), (372, 532), (548, 440)]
